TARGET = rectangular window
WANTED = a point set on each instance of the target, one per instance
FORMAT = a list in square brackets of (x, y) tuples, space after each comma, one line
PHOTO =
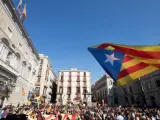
[(61, 90), (69, 96), (70, 74), (84, 74), (78, 76), (28, 76), (84, 90), (9, 32), (39, 73), (130, 88), (40, 68), (84, 77), (44, 90), (37, 89), (62, 78), (110, 82), (69, 90), (78, 83), (41, 61), (39, 79), (157, 83), (78, 90), (4, 52)]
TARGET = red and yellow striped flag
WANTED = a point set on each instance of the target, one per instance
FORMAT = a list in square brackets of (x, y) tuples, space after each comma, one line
[(23, 92), (137, 61), (146, 54)]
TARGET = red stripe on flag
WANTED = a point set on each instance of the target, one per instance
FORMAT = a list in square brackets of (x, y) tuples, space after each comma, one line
[(127, 58), (157, 65), (73, 116), (56, 118), (132, 69), (134, 52), (49, 117), (103, 46), (65, 116)]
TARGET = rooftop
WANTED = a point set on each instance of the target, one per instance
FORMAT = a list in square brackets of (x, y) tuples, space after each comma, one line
[(73, 70)]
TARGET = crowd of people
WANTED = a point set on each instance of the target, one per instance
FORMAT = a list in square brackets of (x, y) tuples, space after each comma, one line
[(78, 112)]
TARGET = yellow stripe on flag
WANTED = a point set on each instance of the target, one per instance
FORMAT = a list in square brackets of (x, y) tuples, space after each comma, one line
[(109, 48), (130, 64), (148, 61), (141, 48), (135, 75)]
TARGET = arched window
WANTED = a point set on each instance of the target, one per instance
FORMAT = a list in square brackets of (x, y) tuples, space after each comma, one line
[(23, 69), (24, 63), (18, 55), (9, 57), (5, 41)]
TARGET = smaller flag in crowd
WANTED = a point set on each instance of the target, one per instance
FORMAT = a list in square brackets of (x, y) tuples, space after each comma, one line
[(65, 117), (78, 97), (39, 116), (23, 92)]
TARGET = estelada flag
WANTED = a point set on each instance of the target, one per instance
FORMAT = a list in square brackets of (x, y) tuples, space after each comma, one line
[(126, 63), (39, 116), (24, 13)]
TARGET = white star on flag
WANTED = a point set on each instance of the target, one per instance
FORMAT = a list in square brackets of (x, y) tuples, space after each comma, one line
[(110, 58)]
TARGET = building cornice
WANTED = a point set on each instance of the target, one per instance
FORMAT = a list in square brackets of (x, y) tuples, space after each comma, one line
[(73, 71), (16, 19)]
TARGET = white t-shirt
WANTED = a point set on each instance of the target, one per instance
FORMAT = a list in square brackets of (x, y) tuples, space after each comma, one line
[(119, 117)]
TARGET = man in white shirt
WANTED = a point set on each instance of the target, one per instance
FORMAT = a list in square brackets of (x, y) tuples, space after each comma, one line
[(119, 117)]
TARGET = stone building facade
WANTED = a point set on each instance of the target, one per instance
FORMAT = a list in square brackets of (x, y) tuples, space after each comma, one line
[(72, 83), (45, 79), (103, 89), (143, 91), (18, 57)]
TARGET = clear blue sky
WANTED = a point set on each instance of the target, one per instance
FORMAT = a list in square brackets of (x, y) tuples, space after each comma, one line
[(63, 29)]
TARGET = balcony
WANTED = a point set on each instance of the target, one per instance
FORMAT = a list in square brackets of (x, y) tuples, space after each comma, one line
[(84, 85), (84, 93), (60, 99), (50, 93), (78, 79), (58, 93), (84, 79), (50, 86), (44, 95), (37, 83), (78, 84), (69, 84), (77, 93), (61, 84), (68, 92), (68, 99), (84, 99), (69, 79)]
